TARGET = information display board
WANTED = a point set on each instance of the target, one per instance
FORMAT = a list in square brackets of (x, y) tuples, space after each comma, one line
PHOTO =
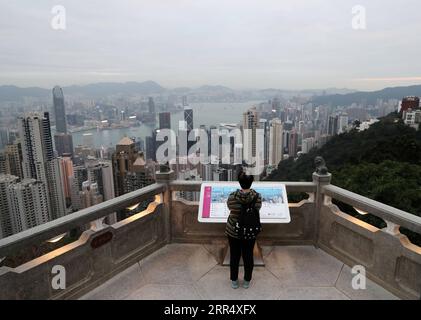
[(214, 195)]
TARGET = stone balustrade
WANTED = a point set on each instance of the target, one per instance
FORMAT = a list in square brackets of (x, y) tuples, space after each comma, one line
[(387, 255), (99, 254)]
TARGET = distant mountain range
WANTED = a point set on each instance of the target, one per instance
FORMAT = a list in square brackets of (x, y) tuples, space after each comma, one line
[(95, 90), (331, 96), (100, 90), (368, 98), (13, 93), (107, 88)]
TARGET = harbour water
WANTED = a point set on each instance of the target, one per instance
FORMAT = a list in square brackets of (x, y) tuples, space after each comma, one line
[(203, 114)]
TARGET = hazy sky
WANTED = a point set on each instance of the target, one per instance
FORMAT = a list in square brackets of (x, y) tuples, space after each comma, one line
[(291, 44)]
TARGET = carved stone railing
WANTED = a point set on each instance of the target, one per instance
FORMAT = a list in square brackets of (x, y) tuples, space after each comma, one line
[(99, 254), (389, 257), (95, 257)]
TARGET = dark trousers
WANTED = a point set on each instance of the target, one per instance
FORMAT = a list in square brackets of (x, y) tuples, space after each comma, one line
[(240, 248)]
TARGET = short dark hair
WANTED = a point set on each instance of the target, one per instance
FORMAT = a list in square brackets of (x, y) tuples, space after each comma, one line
[(245, 180)]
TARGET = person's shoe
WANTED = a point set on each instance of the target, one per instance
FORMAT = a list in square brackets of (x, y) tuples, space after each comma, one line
[(246, 284), (234, 284)]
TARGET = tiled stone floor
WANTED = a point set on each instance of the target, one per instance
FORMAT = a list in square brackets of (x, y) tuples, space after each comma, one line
[(188, 271)]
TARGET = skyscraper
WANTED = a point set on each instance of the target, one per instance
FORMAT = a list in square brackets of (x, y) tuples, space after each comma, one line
[(276, 142), (409, 103), (37, 146), (265, 126), (342, 122), (293, 143), (164, 123), (151, 105), (80, 174), (56, 189), (2, 163), (165, 120), (62, 140), (142, 175), (188, 118), (101, 173), (6, 226), (28, 204), (4, 137), (238, 154), (66, 168), (90, 194), (250, 125), (276, 107), (151, 146), (184, 101), (13, 160), (307, 145), (38, 159), (59, 110), (123, 160), (64, 144), (332, 126)]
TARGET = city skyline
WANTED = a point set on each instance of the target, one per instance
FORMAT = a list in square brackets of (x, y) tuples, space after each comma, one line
[(147, 145), (289, 45)]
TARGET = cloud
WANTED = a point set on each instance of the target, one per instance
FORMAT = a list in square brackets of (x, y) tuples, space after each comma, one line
[(390, 79), (239, 43)]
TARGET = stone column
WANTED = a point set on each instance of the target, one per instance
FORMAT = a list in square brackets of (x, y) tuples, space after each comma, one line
[(320, 180), (166, 177)]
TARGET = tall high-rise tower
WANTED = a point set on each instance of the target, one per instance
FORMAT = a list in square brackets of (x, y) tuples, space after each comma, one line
[(188, 122), (184, 101), (62, 140), (90, 194), (28, 204), (13, 160), (101, 173), (250, 125), (165, 120), (123, 160), (276, 142), (6, 226), (59, 110), (332, 125), (151, 105), (151, 146), (265, 126), (37, 146), (293, 143), (142, 175), (38, 158), (188, 118), (64, 144)]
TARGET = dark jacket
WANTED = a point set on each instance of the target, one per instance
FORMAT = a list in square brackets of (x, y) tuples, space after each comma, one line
[(235, 200)]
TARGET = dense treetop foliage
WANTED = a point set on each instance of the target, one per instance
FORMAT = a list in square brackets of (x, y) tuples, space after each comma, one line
[(382, 163)]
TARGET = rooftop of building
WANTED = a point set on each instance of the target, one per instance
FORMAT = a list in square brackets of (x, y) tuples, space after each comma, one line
[(411, 98), (140, 161), (126, 141)]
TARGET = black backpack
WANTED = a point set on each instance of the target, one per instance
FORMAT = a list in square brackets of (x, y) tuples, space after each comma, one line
[(248, 225)]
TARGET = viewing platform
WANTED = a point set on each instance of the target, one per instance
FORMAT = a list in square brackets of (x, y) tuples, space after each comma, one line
[(165, 253)]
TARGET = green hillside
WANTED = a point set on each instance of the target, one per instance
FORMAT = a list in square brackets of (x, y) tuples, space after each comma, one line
[(382, 163)]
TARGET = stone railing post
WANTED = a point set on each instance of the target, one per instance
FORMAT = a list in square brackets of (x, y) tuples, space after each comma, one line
[(320, 180), (166, 176)]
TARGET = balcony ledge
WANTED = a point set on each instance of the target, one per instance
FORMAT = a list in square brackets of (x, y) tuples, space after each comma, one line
[(170, 255)]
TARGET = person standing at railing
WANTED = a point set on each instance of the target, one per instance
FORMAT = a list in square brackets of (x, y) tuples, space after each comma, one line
[(242, 228)]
